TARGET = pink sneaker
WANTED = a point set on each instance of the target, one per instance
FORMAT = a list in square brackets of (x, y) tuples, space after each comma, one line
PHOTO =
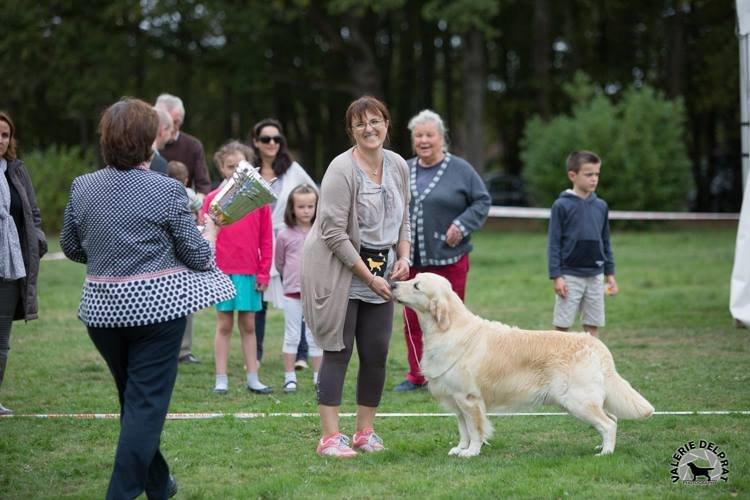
[(367, 441), (335, 445)]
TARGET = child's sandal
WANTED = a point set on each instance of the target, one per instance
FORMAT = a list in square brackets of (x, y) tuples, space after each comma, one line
[(290, 386)]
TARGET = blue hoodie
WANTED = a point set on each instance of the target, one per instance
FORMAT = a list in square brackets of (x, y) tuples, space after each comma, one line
[(578, 238)]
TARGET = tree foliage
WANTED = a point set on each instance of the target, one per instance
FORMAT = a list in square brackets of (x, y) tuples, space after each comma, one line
[(52, 172), (487, 66), (639, 137)]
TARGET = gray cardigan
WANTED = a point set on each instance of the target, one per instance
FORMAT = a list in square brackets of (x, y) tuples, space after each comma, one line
[(332, 248), (455, 195)]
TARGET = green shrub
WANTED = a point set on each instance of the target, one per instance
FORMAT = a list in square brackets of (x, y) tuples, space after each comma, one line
[(52, 172), (645, 165)]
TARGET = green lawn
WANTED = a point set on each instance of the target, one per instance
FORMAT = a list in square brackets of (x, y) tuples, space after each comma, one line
[(669, 330)]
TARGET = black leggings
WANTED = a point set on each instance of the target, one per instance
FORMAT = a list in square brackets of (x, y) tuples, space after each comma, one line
[(9, 295), (371, 326)]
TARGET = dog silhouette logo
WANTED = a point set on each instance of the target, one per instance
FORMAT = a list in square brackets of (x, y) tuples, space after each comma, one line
[(699, 462), (375, 260), (375, 265), (700, 471)]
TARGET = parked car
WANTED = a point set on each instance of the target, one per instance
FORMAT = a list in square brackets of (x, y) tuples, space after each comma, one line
[(506, 190)]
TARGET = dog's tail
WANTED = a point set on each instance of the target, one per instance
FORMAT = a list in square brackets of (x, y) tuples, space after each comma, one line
[(624, 401)]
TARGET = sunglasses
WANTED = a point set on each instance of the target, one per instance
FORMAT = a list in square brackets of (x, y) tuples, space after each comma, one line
[(265, 139)]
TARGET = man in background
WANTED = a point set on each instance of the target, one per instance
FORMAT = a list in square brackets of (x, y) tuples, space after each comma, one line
[(187, 149), (183, 146), (164, 134)]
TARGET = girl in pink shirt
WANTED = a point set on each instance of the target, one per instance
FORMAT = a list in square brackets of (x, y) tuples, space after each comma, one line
[(298, 217), (244, 252)]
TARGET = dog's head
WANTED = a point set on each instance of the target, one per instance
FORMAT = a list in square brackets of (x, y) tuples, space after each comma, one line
[(429, 295)]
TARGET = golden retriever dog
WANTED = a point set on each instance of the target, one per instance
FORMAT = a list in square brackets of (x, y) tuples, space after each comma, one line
[(474, 365)]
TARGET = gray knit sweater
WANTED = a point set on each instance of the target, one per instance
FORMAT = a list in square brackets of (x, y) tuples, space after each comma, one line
[(455, 195)]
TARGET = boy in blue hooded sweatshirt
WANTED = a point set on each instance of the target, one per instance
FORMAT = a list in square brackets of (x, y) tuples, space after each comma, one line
[(579, 253)]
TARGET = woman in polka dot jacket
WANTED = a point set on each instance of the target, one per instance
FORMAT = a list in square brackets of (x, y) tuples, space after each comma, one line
[(147, 267)]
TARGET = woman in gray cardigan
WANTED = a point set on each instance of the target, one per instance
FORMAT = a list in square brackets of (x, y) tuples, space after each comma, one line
[(359, 239), (448, 203)]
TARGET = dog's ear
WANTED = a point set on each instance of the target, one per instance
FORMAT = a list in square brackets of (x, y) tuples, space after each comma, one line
[(439, 311)]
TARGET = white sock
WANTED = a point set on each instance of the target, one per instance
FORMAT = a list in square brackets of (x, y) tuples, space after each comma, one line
[(290, 376), (315, 378), (222, 382), (253, 382)]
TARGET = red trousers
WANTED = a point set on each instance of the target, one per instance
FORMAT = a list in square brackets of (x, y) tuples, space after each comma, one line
[(455, 273)]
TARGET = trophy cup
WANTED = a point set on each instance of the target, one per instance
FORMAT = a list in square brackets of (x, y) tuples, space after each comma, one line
[(243, 193)]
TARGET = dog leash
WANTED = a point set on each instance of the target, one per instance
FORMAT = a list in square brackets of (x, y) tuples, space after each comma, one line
[(411, 341), (467, 346), (414, 348)]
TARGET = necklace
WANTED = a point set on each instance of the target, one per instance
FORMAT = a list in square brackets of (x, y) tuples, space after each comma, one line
[(373, 171)]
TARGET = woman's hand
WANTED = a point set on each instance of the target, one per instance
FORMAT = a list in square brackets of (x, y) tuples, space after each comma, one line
[(210, 229), (453, 236), (400, 269), (381, 287), (261, 287)]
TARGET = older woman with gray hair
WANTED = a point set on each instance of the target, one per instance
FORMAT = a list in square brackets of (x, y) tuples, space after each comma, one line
[(448, 203)]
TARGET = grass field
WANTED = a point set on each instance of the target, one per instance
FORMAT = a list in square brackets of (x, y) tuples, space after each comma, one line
[(669, 330)]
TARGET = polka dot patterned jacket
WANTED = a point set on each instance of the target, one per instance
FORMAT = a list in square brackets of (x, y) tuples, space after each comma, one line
[(145, 260)]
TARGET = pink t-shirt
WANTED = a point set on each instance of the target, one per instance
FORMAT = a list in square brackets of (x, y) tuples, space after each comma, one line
[(288, 257), (245, 246)]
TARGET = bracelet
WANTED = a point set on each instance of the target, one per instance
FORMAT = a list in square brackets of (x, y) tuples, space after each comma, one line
[(369, 283), (407, 259)]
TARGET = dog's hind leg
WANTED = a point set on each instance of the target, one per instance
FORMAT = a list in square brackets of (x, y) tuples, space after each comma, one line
[(592, 412), (477, 425), (463, 442)]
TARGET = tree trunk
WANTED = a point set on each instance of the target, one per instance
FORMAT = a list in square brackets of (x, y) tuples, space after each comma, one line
[(426, 65), (541, 55), (408, 91), (474, 95), (448, 80), (675, 62)]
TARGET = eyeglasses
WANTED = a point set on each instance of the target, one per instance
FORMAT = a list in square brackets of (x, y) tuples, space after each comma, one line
[(265, 139), (374, 123)]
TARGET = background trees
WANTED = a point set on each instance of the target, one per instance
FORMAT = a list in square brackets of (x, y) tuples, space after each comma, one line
[(488, 66)]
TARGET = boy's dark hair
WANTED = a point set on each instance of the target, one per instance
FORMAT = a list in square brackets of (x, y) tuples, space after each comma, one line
[(578, 158), (289, 219), (178, 170)]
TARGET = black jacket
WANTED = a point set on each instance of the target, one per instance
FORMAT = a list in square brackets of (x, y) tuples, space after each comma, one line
[(33, 241)]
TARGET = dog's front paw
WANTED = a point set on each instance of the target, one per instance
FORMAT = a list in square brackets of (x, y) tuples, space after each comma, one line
[(455, 451), (602, 451), (468, 452)]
